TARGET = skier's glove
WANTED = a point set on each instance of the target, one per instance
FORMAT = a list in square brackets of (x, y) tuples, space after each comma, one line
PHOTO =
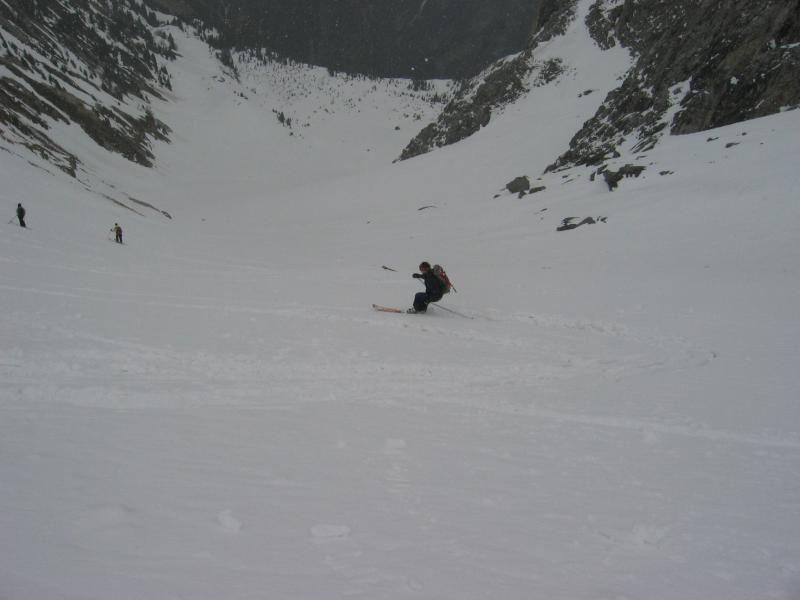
[(417, 276)]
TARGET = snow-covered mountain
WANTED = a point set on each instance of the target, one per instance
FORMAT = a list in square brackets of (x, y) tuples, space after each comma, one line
[(93, 64), (213, 410), (695, 66)]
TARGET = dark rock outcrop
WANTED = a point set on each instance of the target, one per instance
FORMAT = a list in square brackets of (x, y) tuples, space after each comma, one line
[(519, 184), (614, 177), (471, 109), (569, 223), (721, 61), (472, 106), (61, 60), (699, 64)]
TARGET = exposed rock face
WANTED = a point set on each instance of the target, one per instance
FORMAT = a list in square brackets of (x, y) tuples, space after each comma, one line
[(721, 61), (69, 63), (472, 107), (707, 62), (389, 38), (519, 184), (569, 223), (614, 177)]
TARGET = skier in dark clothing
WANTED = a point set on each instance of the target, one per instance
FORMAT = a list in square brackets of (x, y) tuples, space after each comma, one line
[(117, 233), (21, 214), (434, 289)]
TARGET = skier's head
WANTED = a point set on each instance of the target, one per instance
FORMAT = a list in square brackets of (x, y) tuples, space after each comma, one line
[(19, 204), (424, 267)]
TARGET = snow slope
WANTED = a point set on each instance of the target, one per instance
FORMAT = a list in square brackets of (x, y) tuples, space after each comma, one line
[(213, 411)]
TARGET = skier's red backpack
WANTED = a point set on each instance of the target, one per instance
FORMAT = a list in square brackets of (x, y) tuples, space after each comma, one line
[(439, 271)]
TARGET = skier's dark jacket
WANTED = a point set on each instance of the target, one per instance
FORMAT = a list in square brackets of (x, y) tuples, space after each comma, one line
[(434, 286), (20, 212)]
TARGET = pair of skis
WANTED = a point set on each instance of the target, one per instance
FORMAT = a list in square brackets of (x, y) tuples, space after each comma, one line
[(391, 309)]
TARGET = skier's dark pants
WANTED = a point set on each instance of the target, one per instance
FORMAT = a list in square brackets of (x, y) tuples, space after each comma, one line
[(118, 237), (21, 221), (421, 301)]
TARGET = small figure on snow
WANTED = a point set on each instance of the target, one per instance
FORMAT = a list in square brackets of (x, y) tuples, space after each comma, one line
[(21, 214), (435, 288), (117, 233)]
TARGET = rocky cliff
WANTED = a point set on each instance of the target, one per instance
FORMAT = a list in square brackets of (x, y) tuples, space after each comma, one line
[(500, 85), (87, 62), (697, 65)]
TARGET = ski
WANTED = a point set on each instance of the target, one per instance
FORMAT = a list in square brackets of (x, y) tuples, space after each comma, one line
[(380, 308)]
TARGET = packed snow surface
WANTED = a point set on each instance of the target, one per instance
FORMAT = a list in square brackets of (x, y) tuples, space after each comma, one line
[(213, 410)]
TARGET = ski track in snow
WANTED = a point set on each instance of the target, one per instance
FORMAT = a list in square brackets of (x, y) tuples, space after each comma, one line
[(543, 337)]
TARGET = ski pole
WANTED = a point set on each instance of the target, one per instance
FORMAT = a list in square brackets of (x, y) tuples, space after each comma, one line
[(455, 312)]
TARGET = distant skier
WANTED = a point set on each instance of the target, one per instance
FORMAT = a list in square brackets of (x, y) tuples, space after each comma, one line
[(434, 288), (21, 214), (117, 233)]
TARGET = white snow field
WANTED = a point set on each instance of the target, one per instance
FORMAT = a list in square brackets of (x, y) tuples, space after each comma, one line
[(213, 410)]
